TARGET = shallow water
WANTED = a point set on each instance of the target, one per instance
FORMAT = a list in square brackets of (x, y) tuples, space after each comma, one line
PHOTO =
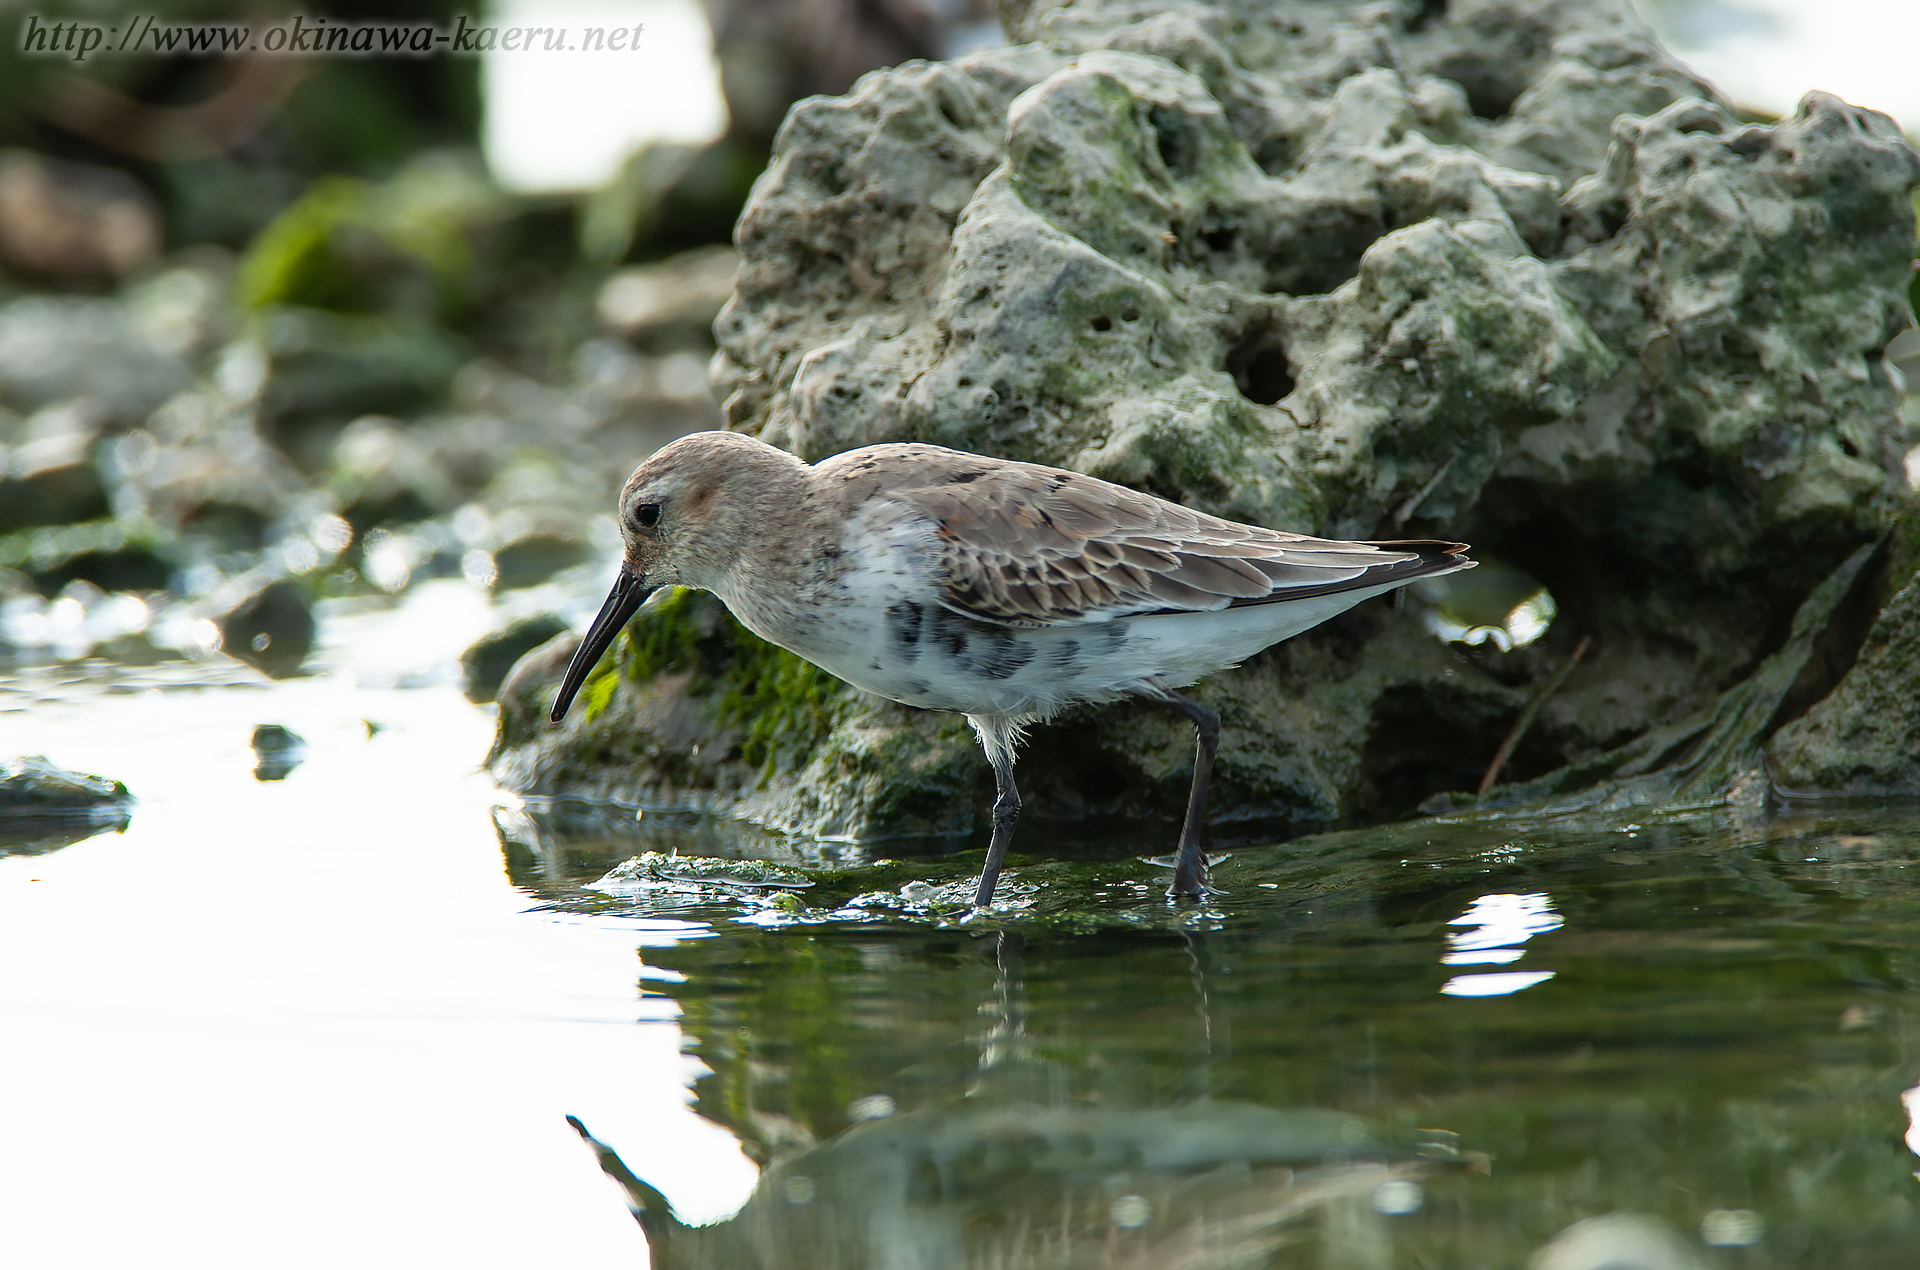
[(341, 1018)]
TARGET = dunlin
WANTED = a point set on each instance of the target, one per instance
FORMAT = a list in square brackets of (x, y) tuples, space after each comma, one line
[(1000, 590)]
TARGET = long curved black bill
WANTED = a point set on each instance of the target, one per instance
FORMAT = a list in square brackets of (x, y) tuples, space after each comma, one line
[(627, 595)]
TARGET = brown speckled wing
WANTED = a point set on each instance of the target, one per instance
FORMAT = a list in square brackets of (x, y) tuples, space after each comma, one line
[(1025, 545)]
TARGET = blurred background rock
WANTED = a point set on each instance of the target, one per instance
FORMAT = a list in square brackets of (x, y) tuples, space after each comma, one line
[(286, 331)]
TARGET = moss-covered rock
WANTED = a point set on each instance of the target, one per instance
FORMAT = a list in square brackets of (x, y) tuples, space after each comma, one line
[(1864, 738), (692, 710), (1504, 272)]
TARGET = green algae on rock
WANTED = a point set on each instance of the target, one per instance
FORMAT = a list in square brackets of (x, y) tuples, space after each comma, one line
[(692, 710), (1505, 273)]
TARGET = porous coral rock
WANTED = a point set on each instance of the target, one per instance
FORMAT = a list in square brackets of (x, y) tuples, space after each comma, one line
[(1864, 737), (1502, 272)]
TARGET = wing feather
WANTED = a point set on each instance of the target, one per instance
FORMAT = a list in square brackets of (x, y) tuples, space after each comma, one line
[(1024, 545)]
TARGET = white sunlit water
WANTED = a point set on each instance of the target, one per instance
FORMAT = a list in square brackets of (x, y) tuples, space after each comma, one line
[(1495, 928), (1494, 985), (1398, 1198), (311, 1022)]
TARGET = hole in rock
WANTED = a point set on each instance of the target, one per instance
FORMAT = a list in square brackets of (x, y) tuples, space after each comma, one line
[(1322, 249), (948, 112), (1491, 97), (1102, 323), (1172, 139), (1496, 62), (1260, 368), (1429, 12), (1220, 239), (1130, 315)]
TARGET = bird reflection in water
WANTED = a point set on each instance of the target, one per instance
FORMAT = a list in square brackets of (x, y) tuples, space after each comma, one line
[(1014, 1174)]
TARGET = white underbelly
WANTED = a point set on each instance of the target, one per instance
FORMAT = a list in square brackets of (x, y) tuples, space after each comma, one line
[(939, 660), (880, 627)]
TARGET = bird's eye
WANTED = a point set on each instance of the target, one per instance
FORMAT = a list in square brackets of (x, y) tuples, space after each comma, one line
[(647, 515)]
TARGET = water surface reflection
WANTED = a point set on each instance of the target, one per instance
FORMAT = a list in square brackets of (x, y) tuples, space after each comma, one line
[(1715, 1059), (1720, 1063)]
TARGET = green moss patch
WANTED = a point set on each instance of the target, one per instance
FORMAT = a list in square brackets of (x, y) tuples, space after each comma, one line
[(782, 706)]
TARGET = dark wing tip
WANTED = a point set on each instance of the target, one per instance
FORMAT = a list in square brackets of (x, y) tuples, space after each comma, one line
[(1425, 546), (1432, 557)]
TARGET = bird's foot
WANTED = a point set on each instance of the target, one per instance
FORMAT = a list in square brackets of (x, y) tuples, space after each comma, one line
[(1189, 875)]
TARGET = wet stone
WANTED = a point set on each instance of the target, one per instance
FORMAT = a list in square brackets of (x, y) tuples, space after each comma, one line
[(44, 807), (59, 493), (487, 661), (671, 304), (533, 559), (271, 630), (334, 367), (32, 784), (278, 750), (1864, 737), (133, 567), (382, 472)]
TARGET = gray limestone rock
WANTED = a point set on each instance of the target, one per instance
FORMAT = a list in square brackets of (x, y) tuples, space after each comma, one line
[(1864, 737), (1501, 272)]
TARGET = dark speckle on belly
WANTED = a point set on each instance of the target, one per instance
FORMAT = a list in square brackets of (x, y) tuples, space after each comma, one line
[(903, 627), (1003, 655), (978, 650)]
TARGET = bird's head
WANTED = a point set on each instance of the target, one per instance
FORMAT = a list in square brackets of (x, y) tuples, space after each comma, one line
[(684, 515)]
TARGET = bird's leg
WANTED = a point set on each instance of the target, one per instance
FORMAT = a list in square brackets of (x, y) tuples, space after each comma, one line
[(1006, 810), (1190, 863)]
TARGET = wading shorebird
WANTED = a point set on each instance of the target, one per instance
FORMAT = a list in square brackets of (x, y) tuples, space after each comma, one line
[(1000, 590)]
